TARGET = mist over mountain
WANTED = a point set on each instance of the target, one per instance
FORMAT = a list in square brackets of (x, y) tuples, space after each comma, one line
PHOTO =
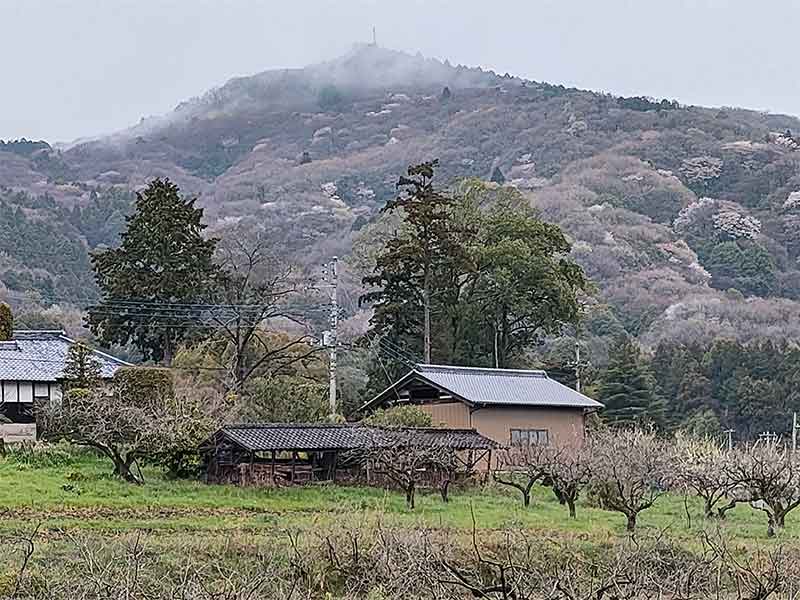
[(685, 217)]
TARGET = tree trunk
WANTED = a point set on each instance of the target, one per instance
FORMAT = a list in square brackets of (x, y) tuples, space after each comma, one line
[(410, 494), (771, 526), (444, 488), (560, 495), (721, 511), (631, 524), (708, 510), (526, 497), (777, 522), (571, 504), (122, 467)]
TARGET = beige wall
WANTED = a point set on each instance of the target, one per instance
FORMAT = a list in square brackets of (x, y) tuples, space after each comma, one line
[(564, 426), (451, 414)]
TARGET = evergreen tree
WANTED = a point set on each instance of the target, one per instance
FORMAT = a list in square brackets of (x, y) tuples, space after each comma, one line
[(497, 176), (524, 286), (6, 322), (627, 387), (477, 270), (81, 368), (415, 266), (163, 258)]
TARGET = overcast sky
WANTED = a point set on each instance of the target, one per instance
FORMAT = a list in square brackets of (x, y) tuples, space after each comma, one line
[(73, 68)]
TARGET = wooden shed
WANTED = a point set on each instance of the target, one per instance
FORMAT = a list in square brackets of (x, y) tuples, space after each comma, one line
[(286, 453)]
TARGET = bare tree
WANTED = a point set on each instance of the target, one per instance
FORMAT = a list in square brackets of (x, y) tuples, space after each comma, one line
[(405, 460), (768, 476), (630, 470), (123, 426), (521, 467), (754, 575), (703, 468), (569, 470), (120, 431), (256, 287)]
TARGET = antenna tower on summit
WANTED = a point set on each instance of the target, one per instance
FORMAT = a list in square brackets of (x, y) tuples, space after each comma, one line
[(374, 37)]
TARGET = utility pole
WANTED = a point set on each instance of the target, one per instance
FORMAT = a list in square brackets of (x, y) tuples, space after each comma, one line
[(330, 338), (794, 433), (577, 366), (729, 433), (426, 308)]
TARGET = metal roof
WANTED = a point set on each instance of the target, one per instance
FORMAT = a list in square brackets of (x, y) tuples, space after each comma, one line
[(494, 387), (41, 355), (309, 437)]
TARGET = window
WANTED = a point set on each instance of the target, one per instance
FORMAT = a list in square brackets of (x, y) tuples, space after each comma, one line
[(41, 393), (530, 437)]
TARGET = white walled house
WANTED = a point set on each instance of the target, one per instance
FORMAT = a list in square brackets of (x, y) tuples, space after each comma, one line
[(31, 371)]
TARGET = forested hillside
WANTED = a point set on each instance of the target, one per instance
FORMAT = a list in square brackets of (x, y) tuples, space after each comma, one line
[(685, 218)]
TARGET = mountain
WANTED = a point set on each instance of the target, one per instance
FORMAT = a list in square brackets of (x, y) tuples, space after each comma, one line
[(685, 217)]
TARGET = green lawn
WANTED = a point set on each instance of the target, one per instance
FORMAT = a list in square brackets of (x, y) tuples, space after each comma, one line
[(79, 493)]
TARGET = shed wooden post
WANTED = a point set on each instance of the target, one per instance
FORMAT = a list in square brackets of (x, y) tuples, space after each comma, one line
[(335, 459), (489, 467), (273, 467), (293, 456)]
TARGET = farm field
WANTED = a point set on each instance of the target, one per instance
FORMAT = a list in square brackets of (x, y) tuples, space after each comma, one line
[(80, 493), (84, 523)]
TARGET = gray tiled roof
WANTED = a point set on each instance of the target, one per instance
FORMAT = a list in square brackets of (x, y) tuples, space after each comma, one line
[(40, 356), (302, 437), (497, 387)]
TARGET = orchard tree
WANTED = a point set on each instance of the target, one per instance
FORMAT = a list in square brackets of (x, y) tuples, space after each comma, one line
[(569, 471), (521, 467), (162, 266), (703, 468), (630, 470), (768, 476)]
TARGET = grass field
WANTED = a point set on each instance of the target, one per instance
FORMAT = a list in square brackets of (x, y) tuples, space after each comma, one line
[(79, 492), (73, 503)]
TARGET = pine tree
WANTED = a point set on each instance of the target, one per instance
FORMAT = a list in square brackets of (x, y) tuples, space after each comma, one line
[(163, 258), (627, 387)]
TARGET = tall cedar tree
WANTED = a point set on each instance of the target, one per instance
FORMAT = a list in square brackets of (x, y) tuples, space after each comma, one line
[(417, 262), (163, 258), (627, 387), (497, 277)]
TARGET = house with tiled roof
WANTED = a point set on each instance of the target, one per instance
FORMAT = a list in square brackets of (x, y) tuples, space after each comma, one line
[(509, 406), (31, 371)]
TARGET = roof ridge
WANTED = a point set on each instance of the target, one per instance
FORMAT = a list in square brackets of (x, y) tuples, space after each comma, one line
[(421, 368), (292, 425)]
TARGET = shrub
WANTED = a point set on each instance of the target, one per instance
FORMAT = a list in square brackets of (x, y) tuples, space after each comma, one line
[(6, 322), (28, 456), (140, 386), (400, 416)]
